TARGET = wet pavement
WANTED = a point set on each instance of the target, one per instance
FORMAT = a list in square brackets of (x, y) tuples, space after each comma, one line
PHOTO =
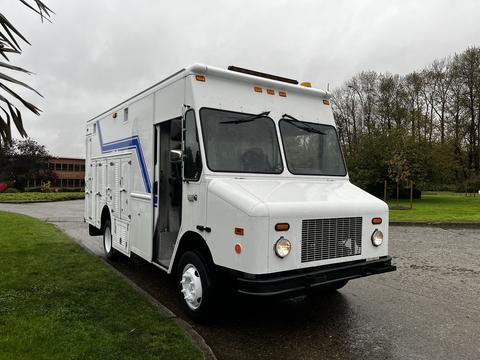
[(428, 309)]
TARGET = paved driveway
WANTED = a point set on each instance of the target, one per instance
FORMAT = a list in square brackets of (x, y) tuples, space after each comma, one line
[(428, 309)]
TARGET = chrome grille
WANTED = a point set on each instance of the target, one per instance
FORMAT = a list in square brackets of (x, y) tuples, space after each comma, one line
[(331, 238)]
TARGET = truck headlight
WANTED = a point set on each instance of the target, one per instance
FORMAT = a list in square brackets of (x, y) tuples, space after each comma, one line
[(282, 247), (377, 238)]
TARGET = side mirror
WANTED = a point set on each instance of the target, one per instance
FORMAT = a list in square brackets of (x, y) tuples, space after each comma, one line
[(176, 156)]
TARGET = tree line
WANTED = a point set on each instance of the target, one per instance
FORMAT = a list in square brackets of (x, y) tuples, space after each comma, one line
[(424, 125)]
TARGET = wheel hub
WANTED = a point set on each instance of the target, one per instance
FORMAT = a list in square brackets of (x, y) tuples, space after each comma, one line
[(108, 239), (191, 287)]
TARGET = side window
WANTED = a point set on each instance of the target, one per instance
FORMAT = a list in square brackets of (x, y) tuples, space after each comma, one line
[(193, 160)]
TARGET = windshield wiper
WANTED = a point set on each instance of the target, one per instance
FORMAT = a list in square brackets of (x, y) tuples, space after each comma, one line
[(247, 119), (295, 122)]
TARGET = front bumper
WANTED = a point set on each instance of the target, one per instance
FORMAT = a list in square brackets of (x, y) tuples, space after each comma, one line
[(298, 281)]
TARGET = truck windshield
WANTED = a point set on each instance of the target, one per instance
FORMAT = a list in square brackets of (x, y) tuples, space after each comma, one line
[(240, 142), (311, 148)]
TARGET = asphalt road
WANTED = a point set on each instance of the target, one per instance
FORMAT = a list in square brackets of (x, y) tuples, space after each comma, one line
[(428, 309)]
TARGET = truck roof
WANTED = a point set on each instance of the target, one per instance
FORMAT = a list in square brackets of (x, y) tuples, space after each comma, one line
[(202, 69)]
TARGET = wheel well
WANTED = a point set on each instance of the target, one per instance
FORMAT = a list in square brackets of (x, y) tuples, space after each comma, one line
[(105, 216), (193, 241)]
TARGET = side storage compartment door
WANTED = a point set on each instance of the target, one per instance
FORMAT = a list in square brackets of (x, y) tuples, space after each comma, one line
[(88, 180), (109, 182), (100, 190), (120, 235), (93, 192), (125, 173)]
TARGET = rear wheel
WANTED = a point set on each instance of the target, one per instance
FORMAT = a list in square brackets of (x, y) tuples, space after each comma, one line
[(110, 252), (195, 286)]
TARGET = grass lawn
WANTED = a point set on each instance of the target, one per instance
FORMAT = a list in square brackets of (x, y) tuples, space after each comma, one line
[(439, 207), (26, 197), (57, 301)]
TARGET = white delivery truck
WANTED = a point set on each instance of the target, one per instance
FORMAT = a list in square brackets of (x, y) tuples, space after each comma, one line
[(236, 175)]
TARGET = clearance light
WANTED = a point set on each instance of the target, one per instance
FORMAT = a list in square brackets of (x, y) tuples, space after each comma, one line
[(270, 92), (282, 227), (376, 221), (326, 101), (238, 248), (200, 78), (239, 231), (282, 93), (257, 89), (306, 84)]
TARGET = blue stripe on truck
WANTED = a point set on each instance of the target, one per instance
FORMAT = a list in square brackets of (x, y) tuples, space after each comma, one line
[(126, 144)]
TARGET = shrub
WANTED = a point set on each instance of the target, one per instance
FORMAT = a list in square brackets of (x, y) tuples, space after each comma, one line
[(46, 187), (11, 190), (3, 187)]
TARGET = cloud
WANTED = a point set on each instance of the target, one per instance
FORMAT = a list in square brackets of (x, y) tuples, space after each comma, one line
[(98, 53)]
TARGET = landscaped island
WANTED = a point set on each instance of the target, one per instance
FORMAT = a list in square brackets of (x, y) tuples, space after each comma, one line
[(57, 301)]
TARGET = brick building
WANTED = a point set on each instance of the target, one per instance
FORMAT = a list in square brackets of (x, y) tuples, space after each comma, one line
[(69, 172)]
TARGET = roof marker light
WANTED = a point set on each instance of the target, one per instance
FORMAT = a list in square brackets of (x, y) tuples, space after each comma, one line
[(270, 92), (257, 89), (306, 84), (200, 78), (326, 101), (282, 93)]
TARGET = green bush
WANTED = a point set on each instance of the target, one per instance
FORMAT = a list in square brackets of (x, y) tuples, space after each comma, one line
[(46, 187), (11, 190)]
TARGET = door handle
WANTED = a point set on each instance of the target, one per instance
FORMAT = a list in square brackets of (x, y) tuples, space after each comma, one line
[(192, 197)]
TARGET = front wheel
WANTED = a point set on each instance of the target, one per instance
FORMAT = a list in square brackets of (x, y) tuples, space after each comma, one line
[(195, 287), (110, 252)]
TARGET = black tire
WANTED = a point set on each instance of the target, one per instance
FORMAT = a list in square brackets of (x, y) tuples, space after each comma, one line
[(198, 308), (110, 252)]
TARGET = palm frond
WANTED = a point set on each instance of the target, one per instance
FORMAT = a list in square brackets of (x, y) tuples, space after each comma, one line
[(10, 39), (43, 10), (15, 68), (25, 103)]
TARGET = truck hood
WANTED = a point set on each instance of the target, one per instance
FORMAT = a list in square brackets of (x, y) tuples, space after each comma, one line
[(287, 198)]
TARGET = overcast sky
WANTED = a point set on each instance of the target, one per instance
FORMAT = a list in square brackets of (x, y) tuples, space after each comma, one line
[(97, 53)]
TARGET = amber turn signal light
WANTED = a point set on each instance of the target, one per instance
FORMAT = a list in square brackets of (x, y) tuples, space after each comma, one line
[(376, 221), (238, 248), (282, 227), (200, 78), (239, 231)]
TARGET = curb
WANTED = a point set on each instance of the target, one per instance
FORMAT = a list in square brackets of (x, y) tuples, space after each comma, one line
[(464, 225), (196, 338)]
